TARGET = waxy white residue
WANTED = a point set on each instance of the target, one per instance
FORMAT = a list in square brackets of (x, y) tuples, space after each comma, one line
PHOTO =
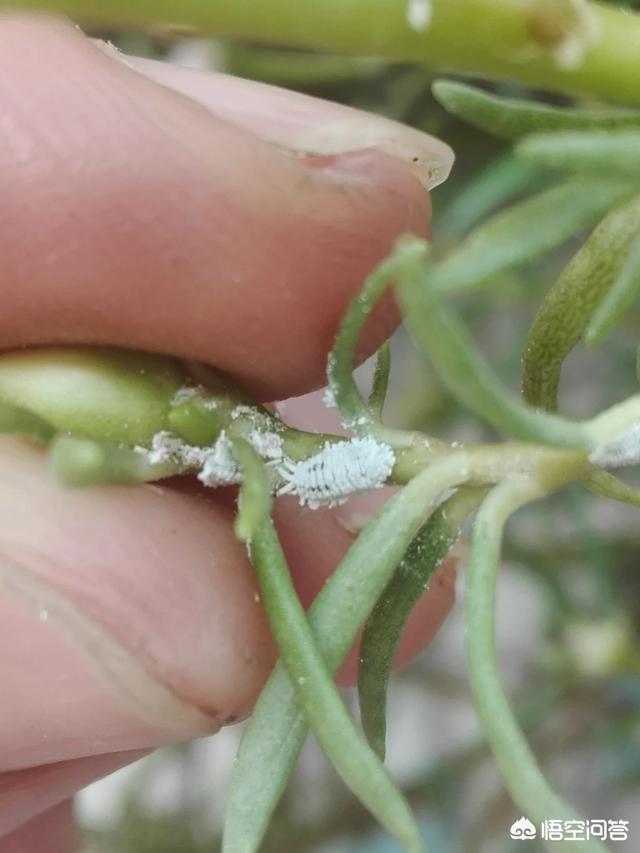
[(419, 14)]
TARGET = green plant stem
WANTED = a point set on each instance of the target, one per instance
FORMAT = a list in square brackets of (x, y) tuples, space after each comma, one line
[(512, 39), (522, 776), (297, 69)]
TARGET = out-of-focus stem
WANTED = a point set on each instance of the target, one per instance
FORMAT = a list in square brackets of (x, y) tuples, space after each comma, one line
[(569, 45)]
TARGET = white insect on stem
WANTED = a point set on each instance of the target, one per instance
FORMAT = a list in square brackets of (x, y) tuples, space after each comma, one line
[(625, 450), (338, 471), (327, 478)]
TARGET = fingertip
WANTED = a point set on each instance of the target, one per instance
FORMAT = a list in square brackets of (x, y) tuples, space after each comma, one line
[(135, 607), (224, 248)]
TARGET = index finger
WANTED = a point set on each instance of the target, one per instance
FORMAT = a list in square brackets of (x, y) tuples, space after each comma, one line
[(134, 216)]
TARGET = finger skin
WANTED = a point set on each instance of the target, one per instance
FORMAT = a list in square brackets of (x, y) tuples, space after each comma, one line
[(102, 587), (25, 794), (153, 579), (131, 215), (51, 832)]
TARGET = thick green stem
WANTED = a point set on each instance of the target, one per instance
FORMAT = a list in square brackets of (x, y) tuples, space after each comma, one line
[(579, 47)]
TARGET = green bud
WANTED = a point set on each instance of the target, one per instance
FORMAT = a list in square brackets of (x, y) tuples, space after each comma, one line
[(97, 392)]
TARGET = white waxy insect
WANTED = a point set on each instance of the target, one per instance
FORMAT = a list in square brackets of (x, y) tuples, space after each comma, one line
[(625, 450), (337, 471)]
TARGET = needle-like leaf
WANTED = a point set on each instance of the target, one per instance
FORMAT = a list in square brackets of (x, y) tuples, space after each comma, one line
[(442, 338), (523, 778), (599, 153), (529, 229), (510, 118), (569, 305), (498, 183), (382, 631)]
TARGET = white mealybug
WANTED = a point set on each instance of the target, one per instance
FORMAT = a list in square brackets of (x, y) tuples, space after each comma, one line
[(338, 471), (624, 450)]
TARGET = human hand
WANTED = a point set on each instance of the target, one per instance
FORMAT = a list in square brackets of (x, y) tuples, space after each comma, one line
[(212, 219)]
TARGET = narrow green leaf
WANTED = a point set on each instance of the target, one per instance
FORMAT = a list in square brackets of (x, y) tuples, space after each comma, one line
[(316, 694), (254, 500), (601, 152), (569, 305), (380, 380), (15, 420), (319, 700), (340, 365), (383, 629), (606, 485), (510, 118), (441, 337), (86, 462), (276, 730), (619, 298), (500, 182), (529, 229), (523, 778)]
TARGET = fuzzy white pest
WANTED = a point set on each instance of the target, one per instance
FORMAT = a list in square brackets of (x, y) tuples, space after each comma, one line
[(337, 471), (625, 450)]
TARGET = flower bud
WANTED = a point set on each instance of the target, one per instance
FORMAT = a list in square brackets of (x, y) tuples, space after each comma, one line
[(97, 392)]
